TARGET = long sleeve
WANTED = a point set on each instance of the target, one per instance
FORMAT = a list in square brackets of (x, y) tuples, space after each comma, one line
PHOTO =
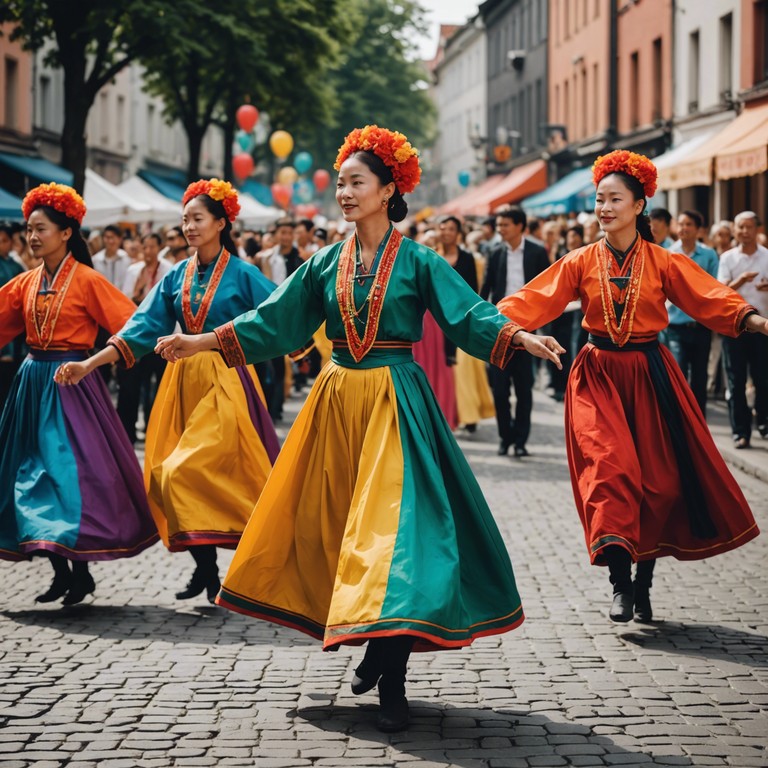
[(107, 305), (280, 325), (11, 310), (545, 298), (488, 278), (469, 322), (703, 297)]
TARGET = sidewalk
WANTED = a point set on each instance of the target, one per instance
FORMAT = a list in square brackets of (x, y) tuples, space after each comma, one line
[(752, 460)]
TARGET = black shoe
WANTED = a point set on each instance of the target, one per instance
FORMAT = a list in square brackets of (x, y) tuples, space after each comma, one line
[(763, 430), (197, 584), (503, 448), (362, 684), (740, 442), (621, 608), (393, 707), (472, 428), (59, 587), (82, 585), (643, 610), (520, 451), (212, 588)]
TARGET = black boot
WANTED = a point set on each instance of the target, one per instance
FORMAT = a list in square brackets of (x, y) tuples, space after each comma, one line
[(620, 567), (393, 706), (62, 579), (206, 575), (368, 672), (82, 583), (643, 581)]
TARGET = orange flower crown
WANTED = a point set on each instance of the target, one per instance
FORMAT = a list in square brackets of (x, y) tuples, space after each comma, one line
[(624, 161), (216, 189), (60, 197), (391, 147)]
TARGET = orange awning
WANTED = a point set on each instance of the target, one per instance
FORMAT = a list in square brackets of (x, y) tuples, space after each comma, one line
[(520, 182), (748, 155), (697, 169), (458, 206)]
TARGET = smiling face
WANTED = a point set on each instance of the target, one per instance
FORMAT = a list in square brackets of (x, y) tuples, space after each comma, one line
[(200, 226), (615, 206), (359, 192), (44, 237)]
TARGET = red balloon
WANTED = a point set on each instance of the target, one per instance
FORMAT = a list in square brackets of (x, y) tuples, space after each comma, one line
[(247, 116), (281, 194), (242, 165), (307, 210), (322, 179)]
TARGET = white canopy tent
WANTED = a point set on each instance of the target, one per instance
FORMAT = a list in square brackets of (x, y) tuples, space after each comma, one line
[(106, 204), (256, 214), (161, 209)]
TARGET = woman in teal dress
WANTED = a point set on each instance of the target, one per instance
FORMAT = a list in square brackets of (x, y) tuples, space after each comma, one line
[(372, 525)]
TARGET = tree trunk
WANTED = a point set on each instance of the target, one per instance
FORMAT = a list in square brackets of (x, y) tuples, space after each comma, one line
[(195, 143)]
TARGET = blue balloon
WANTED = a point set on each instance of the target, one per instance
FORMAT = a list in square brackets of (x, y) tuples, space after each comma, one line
[(245, 140), (464, 178), (304, 191), (302, 162)]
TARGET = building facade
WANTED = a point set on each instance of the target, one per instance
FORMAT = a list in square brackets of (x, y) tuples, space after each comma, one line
[(16, 105)]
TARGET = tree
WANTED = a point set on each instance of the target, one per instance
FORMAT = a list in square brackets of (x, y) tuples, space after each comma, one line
[(266, 53), (378, 78), (93, 41)]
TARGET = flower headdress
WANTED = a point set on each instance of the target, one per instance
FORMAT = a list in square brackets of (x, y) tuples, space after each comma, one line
[(60, 197), (391, 147), (624, 161), (216, 189)]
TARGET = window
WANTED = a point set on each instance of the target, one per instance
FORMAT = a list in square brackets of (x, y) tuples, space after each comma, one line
[(634, 89), (693, 72), (567, 18), (658, 81), (523, 120), (566, 106), (556, 21), (557, 104), (595, 99), (584, 127), (597, 8), (104, 117), (761, 41), (46, 108), (726, 57), (11, 93), (539, 112), (121, 122)]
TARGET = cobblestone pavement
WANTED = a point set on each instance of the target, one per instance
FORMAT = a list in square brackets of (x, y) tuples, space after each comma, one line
[(135, 678)]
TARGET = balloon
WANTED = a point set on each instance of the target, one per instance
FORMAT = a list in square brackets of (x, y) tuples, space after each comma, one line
[(281, 144), (247, 116), (322, 179), (305, 211), (281, 194), (245, 140), (302, 162), (242, 165), (287, 176), (464, 178), (304, 191)]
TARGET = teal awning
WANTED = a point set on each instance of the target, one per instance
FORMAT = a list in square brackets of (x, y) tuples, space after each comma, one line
[(573, 193), (10, 206), (37, 169), (163, 185), (258, 190)]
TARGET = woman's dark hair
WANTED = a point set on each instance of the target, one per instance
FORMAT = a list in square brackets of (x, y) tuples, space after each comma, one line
[(251, 247), (76, 244), (695, 217), (397, 209), (643, 224), (455, 220), (153, 236), (216, 208)]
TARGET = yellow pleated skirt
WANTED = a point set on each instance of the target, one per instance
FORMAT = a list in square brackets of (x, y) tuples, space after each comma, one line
[(209, 450), (474, 401)]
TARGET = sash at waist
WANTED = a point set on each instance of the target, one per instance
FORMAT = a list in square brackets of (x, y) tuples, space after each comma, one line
[(46, 355), (382, 353), (603, 342)]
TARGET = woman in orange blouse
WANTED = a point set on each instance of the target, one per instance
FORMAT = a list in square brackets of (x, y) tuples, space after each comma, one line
[(647, 477), (70, 484)]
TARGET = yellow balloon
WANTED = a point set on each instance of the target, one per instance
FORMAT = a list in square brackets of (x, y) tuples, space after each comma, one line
[(287, 175), (281, 144)]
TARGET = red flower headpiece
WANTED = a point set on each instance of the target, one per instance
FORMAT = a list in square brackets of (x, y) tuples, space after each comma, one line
[(60, 197), (622, 160), (216, 189), (391, 147)]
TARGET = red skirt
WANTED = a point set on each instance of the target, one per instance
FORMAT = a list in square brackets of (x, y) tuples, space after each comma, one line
[(623, 467), (429, 353)]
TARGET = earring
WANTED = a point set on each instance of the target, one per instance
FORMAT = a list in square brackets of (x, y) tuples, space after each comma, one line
[(385, 202)]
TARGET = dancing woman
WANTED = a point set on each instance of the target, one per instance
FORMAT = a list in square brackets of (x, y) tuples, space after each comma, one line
[(647, 477), (210, 442), (372, 525), (70, 484)]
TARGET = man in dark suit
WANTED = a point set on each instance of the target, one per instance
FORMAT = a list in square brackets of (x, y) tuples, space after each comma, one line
[(511, 264)]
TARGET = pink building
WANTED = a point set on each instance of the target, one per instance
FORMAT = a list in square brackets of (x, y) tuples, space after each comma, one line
[(15, 94)]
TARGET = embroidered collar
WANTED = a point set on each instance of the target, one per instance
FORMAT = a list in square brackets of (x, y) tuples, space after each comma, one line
[(195, 320), (622, 289), (345, 279), (45, 300)]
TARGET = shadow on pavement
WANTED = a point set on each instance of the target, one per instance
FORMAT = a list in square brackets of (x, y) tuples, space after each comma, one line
[(207, 625), (708, 641), (470, 737)]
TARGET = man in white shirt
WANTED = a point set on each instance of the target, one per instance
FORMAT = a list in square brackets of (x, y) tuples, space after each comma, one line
[(745, 269), (112, 261)]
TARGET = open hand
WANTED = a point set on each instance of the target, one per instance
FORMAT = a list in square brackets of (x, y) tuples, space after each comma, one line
[(69, 374), (546, 347)]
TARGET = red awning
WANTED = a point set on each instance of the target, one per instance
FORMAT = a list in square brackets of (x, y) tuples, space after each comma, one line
[(458, 206)]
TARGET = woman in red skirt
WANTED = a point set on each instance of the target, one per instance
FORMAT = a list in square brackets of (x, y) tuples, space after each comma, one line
[(646, 474)]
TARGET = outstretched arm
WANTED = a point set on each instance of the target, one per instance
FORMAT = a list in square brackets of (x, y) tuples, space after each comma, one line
[(179, 345), (70, 373)]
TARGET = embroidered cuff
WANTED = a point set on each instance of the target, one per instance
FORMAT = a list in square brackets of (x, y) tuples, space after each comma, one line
[(741, 318), (128, 359), (229, 345), (503, 349), (302, 352)]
